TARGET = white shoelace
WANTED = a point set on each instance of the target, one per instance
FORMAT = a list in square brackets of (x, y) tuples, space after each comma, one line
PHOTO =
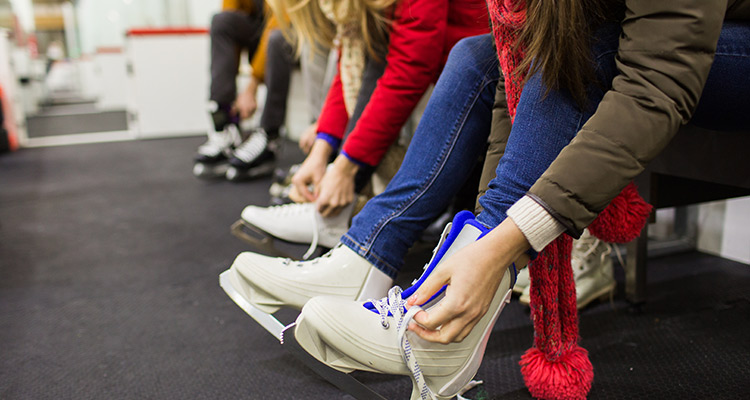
[(394, 304), (252, 147), (217, 142)]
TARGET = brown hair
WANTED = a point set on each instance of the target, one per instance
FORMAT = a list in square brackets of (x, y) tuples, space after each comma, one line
[(557, 36)]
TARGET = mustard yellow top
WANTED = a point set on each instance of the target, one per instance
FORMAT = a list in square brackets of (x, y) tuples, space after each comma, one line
[(258, 63)]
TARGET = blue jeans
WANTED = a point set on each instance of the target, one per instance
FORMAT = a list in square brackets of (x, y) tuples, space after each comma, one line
[(456, 123)]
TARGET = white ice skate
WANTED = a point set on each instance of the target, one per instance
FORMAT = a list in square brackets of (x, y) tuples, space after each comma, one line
[(293, 223), (372, 336), (212, 159), (261, 284)]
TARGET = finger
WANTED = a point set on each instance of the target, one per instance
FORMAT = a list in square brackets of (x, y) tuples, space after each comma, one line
[(438, 316), (429, 287), (302, 189), (447, 333)]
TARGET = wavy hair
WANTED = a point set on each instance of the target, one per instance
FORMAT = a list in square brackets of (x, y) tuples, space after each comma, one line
[(310, 25)]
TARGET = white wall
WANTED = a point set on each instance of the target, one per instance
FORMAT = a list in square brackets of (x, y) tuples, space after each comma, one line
[(724, 229), (103, 23)]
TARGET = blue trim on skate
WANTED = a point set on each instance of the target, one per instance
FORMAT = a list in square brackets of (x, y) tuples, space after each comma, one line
[(461, 219), (514, 276)]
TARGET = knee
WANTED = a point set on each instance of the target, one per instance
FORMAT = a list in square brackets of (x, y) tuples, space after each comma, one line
[(222, 22), (277, 43), (474, 50)]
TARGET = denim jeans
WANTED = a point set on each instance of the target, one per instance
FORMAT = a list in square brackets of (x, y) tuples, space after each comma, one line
[(456, 123)]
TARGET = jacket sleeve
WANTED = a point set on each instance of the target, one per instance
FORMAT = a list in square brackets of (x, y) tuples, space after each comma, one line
[(413, 62), (664, 56), (333, 117)]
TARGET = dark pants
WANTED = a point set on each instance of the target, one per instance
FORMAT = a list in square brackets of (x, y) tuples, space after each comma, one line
[(233, 31)]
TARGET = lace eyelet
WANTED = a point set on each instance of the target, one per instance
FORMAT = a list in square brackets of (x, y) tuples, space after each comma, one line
[(385, 324)]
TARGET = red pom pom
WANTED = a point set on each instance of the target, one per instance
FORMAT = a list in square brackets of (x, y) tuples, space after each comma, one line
[(623, 219), (569, 377)]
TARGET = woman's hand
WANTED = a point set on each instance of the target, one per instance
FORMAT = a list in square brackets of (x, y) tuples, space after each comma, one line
[(312, 170), (308, 138), (246, 103), (473, 275), (336, 189)]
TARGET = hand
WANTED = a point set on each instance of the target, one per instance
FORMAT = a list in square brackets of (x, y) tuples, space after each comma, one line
[(336, 189), (473, 275), (308, 138), (312, 170), (246, 103)]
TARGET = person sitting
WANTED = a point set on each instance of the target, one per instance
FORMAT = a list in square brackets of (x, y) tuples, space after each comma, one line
[(385, 67), (605, 87), (245, 24)]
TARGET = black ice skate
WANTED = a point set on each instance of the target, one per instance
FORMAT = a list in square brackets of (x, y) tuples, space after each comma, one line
[(212, 159), (254, 158)]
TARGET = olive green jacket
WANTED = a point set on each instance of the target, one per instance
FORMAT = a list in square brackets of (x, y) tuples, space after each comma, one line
[(664, 56)]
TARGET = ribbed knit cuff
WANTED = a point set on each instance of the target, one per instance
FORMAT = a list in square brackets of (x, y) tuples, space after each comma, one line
[(539, 227)]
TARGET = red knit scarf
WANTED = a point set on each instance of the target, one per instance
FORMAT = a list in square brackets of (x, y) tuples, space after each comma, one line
[(556, 367)]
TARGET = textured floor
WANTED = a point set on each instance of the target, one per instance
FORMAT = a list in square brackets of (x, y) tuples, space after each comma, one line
[(109, 257)]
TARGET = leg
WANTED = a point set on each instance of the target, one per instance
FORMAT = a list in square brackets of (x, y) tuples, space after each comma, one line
[(230, 32), (450, 137), (279, 61), (725, 98), (545, 122)]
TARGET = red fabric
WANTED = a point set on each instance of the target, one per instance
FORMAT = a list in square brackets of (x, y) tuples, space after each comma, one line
[(419, 27), (556, 367), (333, 117), (628, 211)]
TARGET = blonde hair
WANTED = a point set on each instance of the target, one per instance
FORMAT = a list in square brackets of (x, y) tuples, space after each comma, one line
[(310, 25)]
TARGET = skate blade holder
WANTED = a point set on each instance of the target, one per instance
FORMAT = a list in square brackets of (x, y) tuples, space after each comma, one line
[(345, 382), (257, 238)]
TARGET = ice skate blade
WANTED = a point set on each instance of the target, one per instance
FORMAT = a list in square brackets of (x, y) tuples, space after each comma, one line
[(257, 238), (345, 382), (203, 171), (235, 174), (267, 321)]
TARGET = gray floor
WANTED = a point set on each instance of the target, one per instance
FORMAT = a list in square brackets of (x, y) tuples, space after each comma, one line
[(109, 257)]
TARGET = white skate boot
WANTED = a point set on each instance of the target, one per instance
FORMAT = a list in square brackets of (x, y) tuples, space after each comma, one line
[(294, 223), (372, 336), (522, 281), (212, 159), (261, 284), (593, 271)]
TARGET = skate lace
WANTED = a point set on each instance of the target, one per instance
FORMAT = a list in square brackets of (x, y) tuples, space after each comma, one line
[(299, 209), (252, 147), (587, 245), (219, 141), (395, 304)]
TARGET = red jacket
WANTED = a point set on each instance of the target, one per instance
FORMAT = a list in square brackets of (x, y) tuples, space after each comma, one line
[(419, 28)]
